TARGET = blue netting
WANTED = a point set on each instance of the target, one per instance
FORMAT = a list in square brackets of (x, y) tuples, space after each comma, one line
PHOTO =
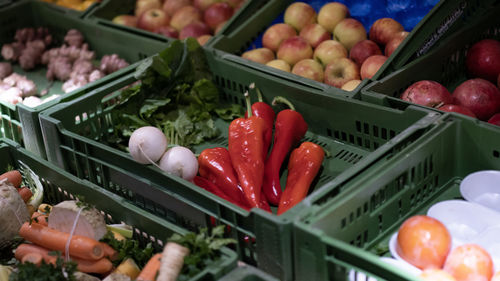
[(407, 12)]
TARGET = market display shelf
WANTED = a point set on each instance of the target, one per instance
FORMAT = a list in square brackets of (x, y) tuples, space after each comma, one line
[(108, 9), (147, 228), (20, 120), (356, 134), (445, 64), (334, 239), (427, 27)]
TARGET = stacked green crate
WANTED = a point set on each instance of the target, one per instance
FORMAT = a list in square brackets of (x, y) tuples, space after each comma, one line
[(20, 120), (356, 134), (247, 273), (337, 237), (147, 228)]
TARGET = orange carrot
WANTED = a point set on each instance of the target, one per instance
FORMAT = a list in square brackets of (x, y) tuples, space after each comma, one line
[(80, 246), (100, 266), (35, 258), (25, 193), (40, 218), (109, 251), (150, 270), (14, 177)]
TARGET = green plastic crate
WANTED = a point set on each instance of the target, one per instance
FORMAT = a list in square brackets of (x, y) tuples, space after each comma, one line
[(109, 9), (355, 133), (247, 273), (72, 12), (445, 17), (338, 235), (19, 120), (445, 64), (59, 186)]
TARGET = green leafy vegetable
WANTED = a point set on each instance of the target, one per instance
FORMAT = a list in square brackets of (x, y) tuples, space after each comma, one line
[(45, 272), (176, 94), (129, 248), (204, 249)]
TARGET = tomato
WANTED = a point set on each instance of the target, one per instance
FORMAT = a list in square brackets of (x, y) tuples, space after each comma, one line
[(469, 262), (436, 275), (423, 242)]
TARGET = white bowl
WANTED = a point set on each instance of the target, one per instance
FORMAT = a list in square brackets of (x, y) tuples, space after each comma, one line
[(483, 188)]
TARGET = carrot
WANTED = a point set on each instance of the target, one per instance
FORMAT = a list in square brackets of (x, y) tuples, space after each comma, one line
[(80, 246), (150, 270), (40, 218), (25, 193), (109, 251), (34, 258), (14, 177), (172, 260), (100, 266)]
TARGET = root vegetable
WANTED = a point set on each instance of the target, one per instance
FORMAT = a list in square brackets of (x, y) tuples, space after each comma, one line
[(12, 96), (149, 271), (31, 55), (117, 277), (172, 260), (82, 66), (74, 83), (24, 35), (14, 177), (60, 68), (25, 194), (5, 69), (180, 161), (112, 63), (34, 258), (13, 212), (74, 38), (147, 144), (12, 79), (128, 267), (40, 218), (32, 101), (12, 51), (27, 87), (95, 75), (80, 246)]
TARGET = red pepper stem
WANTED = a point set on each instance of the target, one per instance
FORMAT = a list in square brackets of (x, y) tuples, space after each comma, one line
[(259, 93), (280, 99), (249, 104)]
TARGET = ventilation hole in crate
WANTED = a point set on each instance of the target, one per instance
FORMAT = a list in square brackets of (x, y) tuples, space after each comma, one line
[(400, 208), (343, 136), (392, 134), (343, 223), (412, 198), (351, 217), (338, 153), (328, 132), (366, 128), (412, 174), (234, 86), (496, 154), (358, 240), (380, 223), (358, 212), (384, 133), (375, 145), (358, 127), (365, 236), (375, 131), (425, 168), (359, 141), (351, 138), (336, 134), (367, 143), (436, 181)]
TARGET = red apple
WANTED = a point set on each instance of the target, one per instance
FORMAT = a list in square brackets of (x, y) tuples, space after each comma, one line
[(219, 27), (314, 34), (384, 29), (294, 49), (202, 5), (483, 60), (371, 65), (167, 31), (393, 44), (127, 20), (299, 14), (351, 85), (153, 19), (203, 39), (498, 80), (185, 16), (172, 6), (427, 93), (495, 119), (279, 64), (458, 109), (331, 14), (217, 13), (276, 34), (329, 50), (362, 50), (349, 32), (340, 71), (309, 68), (480, 96), (195, 30), (143, 5), (261, 55)]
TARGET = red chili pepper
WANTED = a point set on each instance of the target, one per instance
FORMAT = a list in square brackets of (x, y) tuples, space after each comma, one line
[(303, 167), (215, 165), (266, 112), (246, 143), (289, 129), (213, 188)]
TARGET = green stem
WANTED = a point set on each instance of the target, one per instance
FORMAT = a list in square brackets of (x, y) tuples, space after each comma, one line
[(280, 99), (249, 104), (259, 93)]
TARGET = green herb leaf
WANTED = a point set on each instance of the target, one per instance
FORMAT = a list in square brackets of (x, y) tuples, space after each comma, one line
[(45, 272), (129, 248), (230, 112), (151, 105)]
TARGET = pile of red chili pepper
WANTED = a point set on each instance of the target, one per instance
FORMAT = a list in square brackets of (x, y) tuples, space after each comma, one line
[(247, 174)]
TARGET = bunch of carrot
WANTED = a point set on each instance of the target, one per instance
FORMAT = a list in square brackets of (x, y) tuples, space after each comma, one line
[(15, 178)]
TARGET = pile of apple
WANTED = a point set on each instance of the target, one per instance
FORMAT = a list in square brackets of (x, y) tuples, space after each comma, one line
[(181, 18), (477, 97), (328, 46)]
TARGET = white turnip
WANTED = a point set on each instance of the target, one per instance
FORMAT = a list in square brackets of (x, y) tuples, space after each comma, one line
[(180, 161), (147, 144)]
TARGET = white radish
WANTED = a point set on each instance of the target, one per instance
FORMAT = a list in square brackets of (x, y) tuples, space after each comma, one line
[(180, 161), (147, 145), (172, 260)]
